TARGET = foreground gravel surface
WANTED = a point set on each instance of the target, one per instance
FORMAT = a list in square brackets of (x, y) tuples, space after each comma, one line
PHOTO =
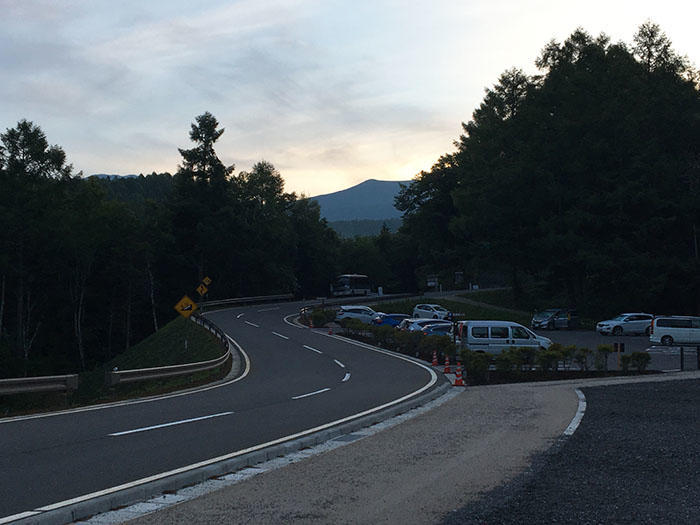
[(415, 472), (634, 459)]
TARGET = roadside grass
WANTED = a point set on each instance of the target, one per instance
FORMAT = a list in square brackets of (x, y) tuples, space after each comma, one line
[(465, 311), (162, 348), (534, 299)]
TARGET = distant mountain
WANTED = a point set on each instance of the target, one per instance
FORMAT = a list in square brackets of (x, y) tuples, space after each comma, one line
[(106, 176), (371, 199)]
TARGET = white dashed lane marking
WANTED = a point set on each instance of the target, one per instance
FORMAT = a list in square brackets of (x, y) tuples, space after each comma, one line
[(181, 422), (311, 393)]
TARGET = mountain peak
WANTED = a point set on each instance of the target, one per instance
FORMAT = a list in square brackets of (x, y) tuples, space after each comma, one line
[(370, 199)]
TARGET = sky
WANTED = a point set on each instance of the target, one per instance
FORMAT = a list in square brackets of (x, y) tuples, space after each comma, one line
[(332, 93)]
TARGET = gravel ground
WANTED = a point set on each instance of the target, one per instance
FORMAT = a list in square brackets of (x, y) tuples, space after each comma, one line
[(634, 459), (415, 472)]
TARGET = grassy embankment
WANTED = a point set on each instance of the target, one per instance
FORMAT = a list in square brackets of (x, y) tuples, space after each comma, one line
[(162, 348)]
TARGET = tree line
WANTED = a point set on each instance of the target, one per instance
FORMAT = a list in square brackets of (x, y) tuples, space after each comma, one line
[(90, 266), (583, 179)]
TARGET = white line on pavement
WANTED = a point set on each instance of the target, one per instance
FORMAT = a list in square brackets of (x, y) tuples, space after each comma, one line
[(313, 349), (579, 414), (144, 429), (252, 324), (280, 335), (347, 376), (311, 393), (239, 316), (269, 309), (341, 365)]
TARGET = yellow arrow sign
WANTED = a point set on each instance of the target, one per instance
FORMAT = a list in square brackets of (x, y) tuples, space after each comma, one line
[(201, 289), (186, 307)]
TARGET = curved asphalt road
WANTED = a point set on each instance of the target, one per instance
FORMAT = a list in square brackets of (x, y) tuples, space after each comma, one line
[(299, 379)]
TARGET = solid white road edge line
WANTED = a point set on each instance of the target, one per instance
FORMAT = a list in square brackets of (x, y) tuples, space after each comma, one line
[(312, 393), (576, 421), (347, 376), (280, 335), (173, 423), (313, 349), (252, 324), (341, 365), (162, 475), (287, 321), (139, 401)]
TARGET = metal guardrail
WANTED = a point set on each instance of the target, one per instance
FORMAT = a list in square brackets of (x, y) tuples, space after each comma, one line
[(22, 385), (247, 300), (116, 377)]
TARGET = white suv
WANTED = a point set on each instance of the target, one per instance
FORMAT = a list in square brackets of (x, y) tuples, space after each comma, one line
[(363, 313), (626, 324), (431, 311)]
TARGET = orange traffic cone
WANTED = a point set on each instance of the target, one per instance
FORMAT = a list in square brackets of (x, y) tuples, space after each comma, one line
[(435, 361), (447, 365), (458, 373), (330, 330)]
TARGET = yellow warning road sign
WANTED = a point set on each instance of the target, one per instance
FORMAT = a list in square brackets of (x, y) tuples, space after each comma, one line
[(201, 289), (206, 281), (186, 307)]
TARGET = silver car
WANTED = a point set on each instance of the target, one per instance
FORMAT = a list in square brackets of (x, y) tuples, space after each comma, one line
[(626, 324)]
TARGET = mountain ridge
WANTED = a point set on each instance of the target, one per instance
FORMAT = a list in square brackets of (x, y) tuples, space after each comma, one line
[(371, 199)]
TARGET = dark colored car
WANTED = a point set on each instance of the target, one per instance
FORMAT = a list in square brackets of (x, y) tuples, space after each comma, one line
[(555, 319), (389, 319)]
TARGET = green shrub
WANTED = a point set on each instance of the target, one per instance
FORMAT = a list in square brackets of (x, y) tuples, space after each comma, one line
[(476, 365), (527, 356), (409, 343), (640, 360), (384, 336), (601, 357), (581, 357), (549, 359), (321, 318), (567, 354), (352, 326), (625, 362)]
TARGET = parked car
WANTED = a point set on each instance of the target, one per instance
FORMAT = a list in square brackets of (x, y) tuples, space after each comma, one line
[(438, 329), (626, 324), (675, 329), (432, 311), (412, 325), (389, 319), (363, 313), (555, 318), (497, 336)]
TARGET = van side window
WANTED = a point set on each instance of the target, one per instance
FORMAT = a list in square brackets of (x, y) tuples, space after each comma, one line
[(481, 332), (499, 332), (520, 333)]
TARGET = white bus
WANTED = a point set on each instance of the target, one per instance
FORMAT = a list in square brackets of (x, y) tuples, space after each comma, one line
[(350, 284)]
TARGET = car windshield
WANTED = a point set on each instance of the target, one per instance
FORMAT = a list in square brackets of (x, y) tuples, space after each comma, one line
[(545, 314)]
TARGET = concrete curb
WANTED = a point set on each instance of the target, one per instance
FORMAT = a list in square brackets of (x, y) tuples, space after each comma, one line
[(83, 509)]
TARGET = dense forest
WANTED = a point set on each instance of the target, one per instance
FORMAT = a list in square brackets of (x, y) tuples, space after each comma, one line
[(90, 266), (583, 179)]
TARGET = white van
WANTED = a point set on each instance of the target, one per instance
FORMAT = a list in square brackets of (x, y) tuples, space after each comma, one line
[(675, 329), (496, 336)]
